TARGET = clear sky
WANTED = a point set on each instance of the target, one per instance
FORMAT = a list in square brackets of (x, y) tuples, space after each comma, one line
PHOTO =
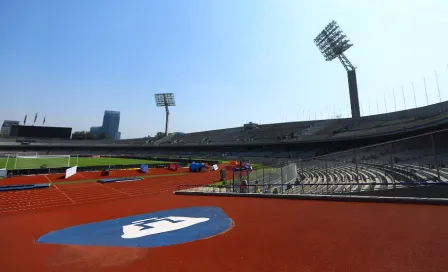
[(228, 62)]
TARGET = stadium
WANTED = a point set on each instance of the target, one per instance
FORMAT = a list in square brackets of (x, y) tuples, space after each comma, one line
[(366, 193), (63, 187)]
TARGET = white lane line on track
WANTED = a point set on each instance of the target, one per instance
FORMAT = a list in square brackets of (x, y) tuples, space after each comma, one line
[(59, 189), (116, 190), (81, 175)]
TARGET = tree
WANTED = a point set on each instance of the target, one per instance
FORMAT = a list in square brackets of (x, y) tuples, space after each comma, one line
[(79, 135), (159, 135), (87, 135)]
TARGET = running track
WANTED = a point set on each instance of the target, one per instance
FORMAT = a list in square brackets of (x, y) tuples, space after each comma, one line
[(269, 234), (60, 194)]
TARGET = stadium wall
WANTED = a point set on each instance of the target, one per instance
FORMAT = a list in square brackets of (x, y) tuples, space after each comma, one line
[(62, 170)]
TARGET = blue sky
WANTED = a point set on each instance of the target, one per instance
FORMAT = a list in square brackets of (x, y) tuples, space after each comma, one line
[(228, 62)]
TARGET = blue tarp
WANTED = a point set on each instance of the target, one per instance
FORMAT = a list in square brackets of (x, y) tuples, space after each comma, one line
[(144, 168), (195, 166)]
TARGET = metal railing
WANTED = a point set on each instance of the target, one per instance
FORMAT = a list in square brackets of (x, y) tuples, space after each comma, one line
[(410, 189), (412, 159), (410, 167)]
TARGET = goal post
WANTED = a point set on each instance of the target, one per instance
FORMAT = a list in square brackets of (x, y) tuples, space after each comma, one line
[(5, 160), (34, 161)]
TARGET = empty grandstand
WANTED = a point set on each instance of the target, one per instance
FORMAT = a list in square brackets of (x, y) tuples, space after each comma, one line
[(411, 167), (381, 160), (390, 125)]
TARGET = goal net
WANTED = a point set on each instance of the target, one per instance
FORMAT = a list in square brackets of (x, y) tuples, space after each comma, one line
[(6, 160), (33, 161)]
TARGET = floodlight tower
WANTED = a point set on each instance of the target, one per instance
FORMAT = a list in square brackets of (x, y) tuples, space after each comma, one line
[(165, 100), (332, 43)]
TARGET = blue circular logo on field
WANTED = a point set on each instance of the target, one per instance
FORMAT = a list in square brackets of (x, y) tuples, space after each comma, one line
[(162, 228)]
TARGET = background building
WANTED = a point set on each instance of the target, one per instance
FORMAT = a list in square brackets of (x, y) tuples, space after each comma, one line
[(96, 130), (6, 127), (111, 124)]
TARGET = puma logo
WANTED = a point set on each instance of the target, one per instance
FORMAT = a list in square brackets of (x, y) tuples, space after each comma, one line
[(157, 225)]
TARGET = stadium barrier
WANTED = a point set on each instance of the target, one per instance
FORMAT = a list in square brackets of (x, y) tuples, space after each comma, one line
[(125, 179), (24, 187), (216, 191), (20, 172), (415, 190)]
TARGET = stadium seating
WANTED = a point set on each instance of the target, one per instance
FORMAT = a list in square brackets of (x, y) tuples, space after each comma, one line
[(290, 132), (368, 126)]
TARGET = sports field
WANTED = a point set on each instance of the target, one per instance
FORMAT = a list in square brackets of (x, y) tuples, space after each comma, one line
[(34, 163)]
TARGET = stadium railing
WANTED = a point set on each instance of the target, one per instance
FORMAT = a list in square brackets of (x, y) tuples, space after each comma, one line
[(420, 190), (410, 167)]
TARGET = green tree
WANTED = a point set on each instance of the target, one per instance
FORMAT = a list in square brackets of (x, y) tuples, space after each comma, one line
[(87, 135)]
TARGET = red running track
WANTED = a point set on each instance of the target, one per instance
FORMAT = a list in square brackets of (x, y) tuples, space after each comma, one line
[(269, 235), (60, 194), (20, 180)]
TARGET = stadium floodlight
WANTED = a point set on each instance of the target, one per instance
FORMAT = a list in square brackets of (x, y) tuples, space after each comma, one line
[(332, 43), (165, 100)]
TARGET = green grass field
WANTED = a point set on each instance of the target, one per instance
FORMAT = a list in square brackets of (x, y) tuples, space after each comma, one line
[(63, 162)]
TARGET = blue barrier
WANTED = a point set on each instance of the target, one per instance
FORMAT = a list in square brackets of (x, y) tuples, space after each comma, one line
[(24, 187), (119, 179)]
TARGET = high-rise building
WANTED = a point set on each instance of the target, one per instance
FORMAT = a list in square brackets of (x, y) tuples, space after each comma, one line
[(6, 127), (96, 130), (111, 124)]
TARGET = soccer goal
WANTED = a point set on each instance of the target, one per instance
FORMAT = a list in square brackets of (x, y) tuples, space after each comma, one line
[(5, 161), (33, 161)]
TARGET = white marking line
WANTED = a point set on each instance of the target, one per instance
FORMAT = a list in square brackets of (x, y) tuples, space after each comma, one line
[(59, 190), (82, 175), (116, 190)]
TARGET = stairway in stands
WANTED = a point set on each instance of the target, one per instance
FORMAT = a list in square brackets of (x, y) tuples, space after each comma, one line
[(164, 139)]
